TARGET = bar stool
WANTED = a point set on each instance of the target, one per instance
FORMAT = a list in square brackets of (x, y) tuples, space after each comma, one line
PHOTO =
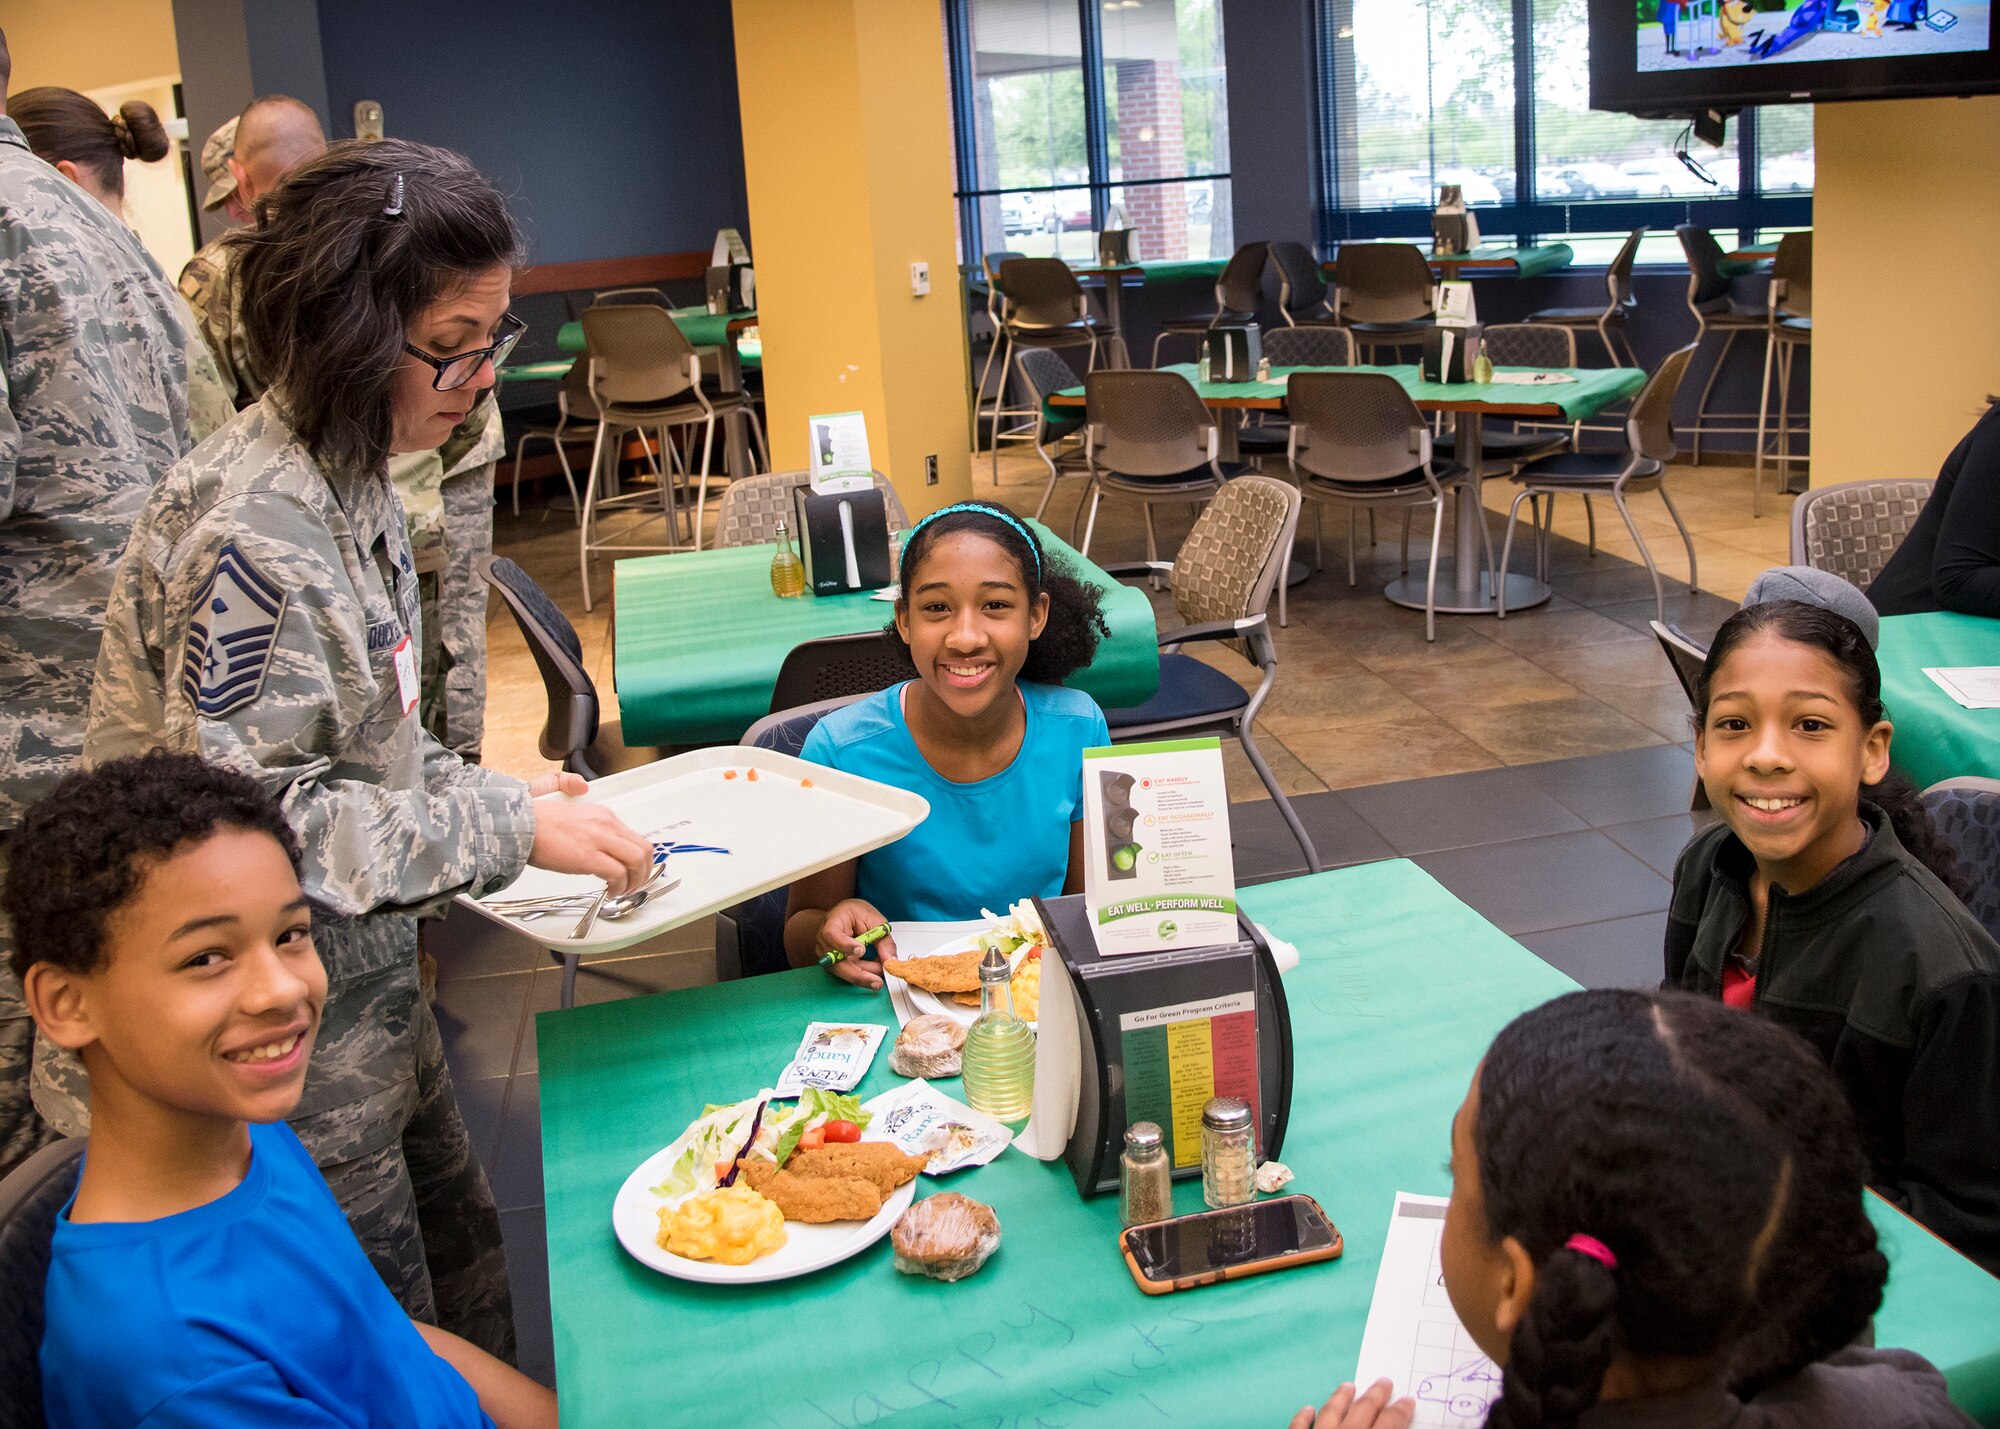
[(1041, 305), (991, 265), (1714, 310), (1238, 294), (1383, 294), (1790, 328), (1618, 288)]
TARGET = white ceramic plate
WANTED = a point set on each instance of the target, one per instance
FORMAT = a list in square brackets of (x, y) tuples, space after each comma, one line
[(924, 1000), (635, 1216)]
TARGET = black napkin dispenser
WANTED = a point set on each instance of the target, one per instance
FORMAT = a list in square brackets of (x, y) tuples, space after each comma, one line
[(1449, 234), (732, 288), (1114, 248), (843, 539), (1226, 1000), (1233, 349), (1449, 353)]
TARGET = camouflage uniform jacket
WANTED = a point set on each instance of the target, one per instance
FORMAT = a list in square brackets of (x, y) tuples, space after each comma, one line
[(259, 619), (95, 380), (205, 283)]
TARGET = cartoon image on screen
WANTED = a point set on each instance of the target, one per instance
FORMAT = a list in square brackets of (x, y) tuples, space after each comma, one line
[(1686, 34)]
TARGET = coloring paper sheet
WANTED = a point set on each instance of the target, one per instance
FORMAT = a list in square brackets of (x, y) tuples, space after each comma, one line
[(1976, 687), (1413, 1338)]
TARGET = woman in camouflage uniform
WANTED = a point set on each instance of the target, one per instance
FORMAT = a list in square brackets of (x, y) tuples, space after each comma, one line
[(267, 617)]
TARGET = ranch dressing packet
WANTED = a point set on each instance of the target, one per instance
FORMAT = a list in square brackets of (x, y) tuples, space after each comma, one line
[(924, 1121), (833, 1056)]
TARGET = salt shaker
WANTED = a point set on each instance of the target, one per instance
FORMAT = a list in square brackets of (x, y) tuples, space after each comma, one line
[(1145, 1180), (1228, 1153)]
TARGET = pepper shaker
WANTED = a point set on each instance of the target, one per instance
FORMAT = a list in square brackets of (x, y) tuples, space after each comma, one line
[(1145, 1180)]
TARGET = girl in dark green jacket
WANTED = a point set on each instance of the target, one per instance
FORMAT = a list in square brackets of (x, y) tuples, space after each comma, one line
[(1825, 901)]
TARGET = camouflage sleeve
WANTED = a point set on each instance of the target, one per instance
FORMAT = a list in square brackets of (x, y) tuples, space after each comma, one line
[(314, 728), (211, 398), (10, 444)]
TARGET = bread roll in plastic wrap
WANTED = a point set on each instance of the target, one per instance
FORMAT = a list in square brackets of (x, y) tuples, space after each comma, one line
[(929, 1046), (946, 1236)]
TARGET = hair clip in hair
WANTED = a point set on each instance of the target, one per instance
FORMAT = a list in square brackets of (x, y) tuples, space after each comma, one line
[(1596, 1249), (394, 207)]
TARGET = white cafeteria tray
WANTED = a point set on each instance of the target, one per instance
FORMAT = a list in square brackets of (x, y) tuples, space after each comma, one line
[(776, 828)]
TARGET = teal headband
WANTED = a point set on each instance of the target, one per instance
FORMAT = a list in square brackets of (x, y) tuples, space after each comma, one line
[(1034, 548)]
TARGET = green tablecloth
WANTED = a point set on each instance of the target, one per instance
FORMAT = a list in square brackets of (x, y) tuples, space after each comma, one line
[(1525, 262), (700, 638), (1399, 991), (703, 329), (1595, 388), (537, 371), (1936, 737)]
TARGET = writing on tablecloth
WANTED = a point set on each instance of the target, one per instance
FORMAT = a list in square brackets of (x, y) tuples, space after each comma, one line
[(951, 1384)]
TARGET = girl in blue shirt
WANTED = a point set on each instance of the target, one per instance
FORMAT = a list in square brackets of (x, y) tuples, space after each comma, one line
[(986, 733)]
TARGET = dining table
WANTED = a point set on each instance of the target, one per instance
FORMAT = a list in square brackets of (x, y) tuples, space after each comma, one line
[(699, 638), (1937, 737), (1399, 989), (1504, 259), (1576, 395)]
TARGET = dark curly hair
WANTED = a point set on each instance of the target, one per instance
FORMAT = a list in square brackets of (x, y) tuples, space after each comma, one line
[(331, 280), (83, 851), (1715, 1157), (1069, 637), (1841, 640)]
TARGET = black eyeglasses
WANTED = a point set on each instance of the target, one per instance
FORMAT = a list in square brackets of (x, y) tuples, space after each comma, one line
[(454, 372)]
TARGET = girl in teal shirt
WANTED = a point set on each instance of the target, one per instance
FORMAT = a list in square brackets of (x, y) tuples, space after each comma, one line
[(986, 733)]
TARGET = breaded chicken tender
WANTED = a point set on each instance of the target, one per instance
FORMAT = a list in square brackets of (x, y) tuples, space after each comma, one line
[(958, 972), (881, 1162), (813, 1199)]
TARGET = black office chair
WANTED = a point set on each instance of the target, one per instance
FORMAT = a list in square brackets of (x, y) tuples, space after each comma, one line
[(30, 1199), (839, 666), (750, 936), (574, 733)]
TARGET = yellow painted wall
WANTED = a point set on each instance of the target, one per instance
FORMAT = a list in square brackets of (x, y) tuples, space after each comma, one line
[(847, 160), (90, 44), (1906, 316)]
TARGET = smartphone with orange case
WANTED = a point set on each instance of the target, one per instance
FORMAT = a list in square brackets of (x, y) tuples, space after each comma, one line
[(1201, 1249)]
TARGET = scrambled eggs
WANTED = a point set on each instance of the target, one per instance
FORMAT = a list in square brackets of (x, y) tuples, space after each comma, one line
[(1027, 989), (731, 1225)]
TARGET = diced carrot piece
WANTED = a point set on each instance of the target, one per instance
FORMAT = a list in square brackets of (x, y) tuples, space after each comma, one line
[(729, 773), (753, 776), (805, 783)]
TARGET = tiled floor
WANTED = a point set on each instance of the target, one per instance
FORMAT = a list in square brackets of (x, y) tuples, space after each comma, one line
[(1533, 766), (1361, 697)]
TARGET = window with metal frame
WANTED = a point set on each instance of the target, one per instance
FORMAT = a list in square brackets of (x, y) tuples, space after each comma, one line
[(1493, 95), (1073, 116)]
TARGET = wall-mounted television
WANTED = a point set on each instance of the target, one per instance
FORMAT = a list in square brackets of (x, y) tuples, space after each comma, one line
[(1679, 57)]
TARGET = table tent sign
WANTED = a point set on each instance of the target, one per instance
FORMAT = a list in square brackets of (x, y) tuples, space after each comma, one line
[(1158, 872), (843, 520)]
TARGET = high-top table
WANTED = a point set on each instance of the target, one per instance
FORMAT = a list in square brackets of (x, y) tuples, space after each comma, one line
[(1469, 590), (1399, 990), (1937, 737), (1495, 258), (699, 639)]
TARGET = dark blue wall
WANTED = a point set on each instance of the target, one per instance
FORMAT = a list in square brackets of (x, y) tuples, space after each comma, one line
[(612, 126)]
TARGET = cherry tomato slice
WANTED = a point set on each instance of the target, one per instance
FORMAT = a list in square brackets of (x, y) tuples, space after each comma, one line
[(810, 1140), (841, 1131)]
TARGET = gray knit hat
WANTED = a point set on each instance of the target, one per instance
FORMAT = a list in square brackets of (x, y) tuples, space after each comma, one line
[(1821, 588)]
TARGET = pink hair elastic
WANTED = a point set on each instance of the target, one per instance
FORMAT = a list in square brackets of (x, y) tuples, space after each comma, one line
[(1596, 1249)]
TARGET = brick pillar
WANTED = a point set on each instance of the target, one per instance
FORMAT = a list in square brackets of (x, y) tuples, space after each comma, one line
[(1151, 145)]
